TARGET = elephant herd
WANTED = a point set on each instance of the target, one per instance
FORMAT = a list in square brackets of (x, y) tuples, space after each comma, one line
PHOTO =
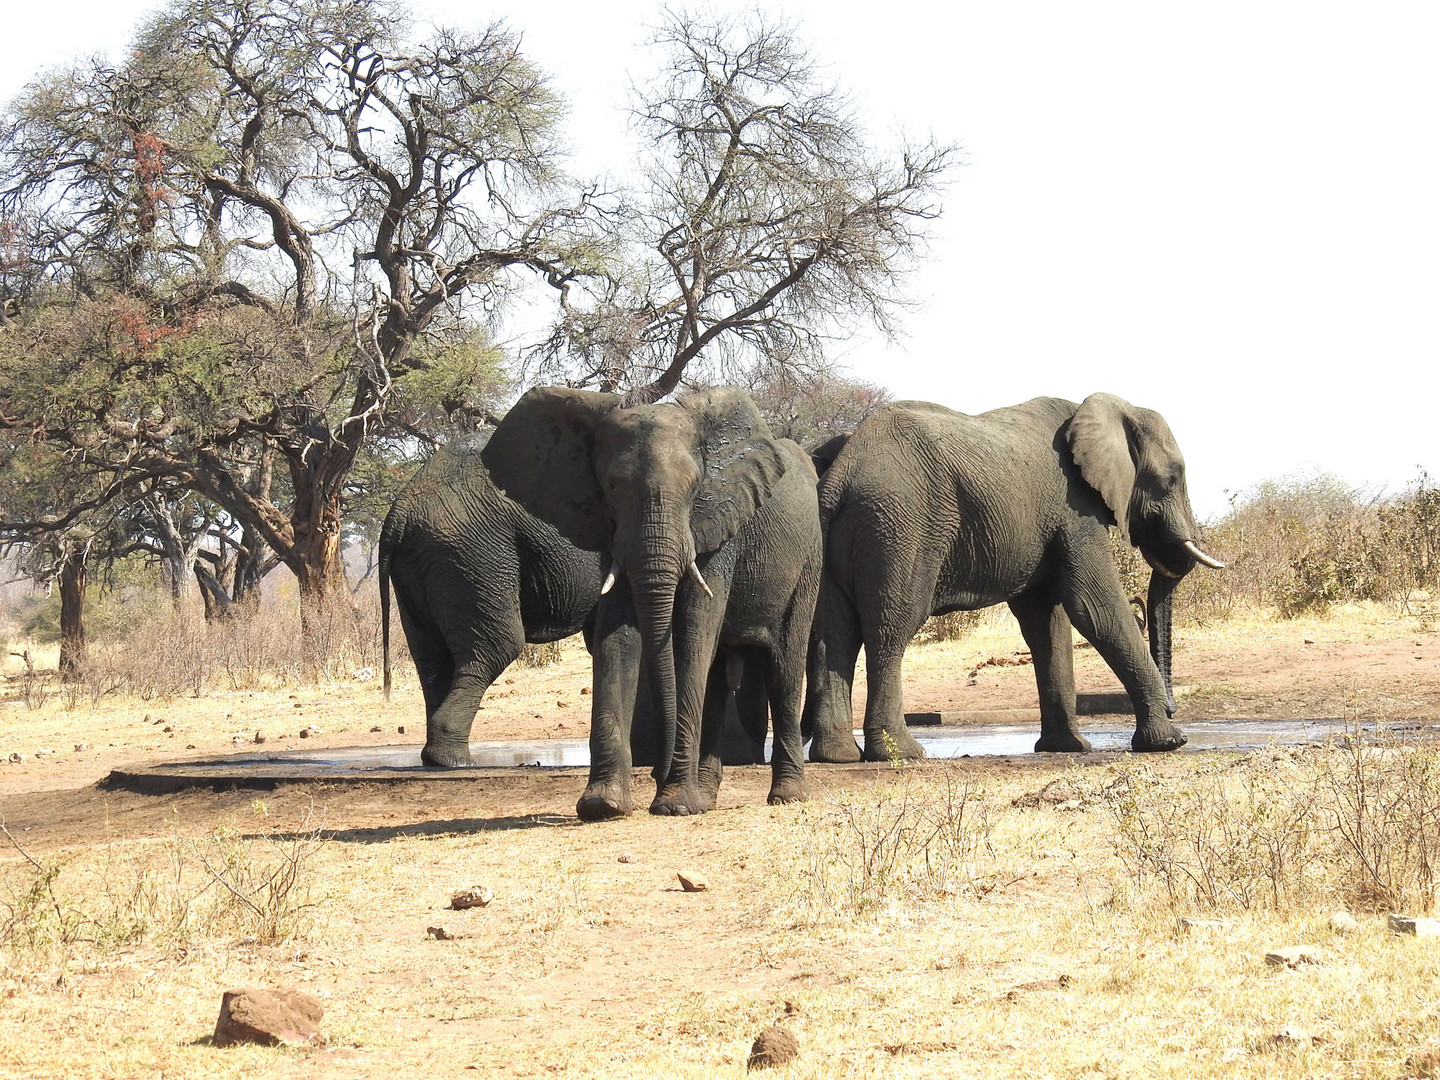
[(702, 557)]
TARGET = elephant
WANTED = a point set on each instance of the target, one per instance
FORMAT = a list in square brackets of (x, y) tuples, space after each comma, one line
[(712, 530), (928, 511), (475, 578)]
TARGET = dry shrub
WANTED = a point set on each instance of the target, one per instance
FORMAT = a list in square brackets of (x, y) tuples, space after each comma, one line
[(953, 626), (219, 887), (1356, 822), (172, 653), (917, 836), (539, 656), (1303, 544)]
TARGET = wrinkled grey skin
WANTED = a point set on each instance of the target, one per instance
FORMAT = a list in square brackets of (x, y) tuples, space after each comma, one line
[(655, 487), (928, 511), (475, 578)]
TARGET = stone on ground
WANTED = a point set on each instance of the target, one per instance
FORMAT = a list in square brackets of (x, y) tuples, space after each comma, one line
[(268, 1017), (476, 896), (774, 1046), (1293, 956), (693, 881)]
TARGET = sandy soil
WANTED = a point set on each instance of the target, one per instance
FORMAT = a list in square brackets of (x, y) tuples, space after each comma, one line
[(589, 965)]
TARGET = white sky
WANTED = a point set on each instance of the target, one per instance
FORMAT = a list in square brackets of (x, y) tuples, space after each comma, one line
[(1229, 212)]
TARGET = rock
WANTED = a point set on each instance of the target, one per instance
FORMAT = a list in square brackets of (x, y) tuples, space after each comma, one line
[(626, 858), (376, 727), (1060, 793), (81, 747), (693, 881), (1294, 1035), (584, 689), (258, 1015), (1342, 922), (310, 732), (1309, 641), (237, 740), (439, 933), (1293, 956), (562, 704), (1424, 1063), (773, 1046), (1189, 924), (16, 757), (305, 733), (189, 746), (401, 729), (167, 728), (476, 896), (1402, 924), (42, 754), (259, 737)]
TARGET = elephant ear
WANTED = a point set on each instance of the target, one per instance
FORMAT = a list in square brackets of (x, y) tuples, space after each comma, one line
[(542, 455), (740, 463), (1100, 443)]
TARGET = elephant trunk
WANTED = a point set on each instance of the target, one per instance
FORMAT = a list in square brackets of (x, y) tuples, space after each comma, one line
[(653, 588), (1161, 593)]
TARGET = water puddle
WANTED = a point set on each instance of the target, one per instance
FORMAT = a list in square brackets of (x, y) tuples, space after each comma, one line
[(993, 740)]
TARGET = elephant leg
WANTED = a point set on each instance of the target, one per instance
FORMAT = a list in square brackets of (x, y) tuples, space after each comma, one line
[(447, 730), (696, 640), (1098, 608), (452, 691), (712, 731), (1046, 628), (784, 679), (888, 625), (886, 737), (612, 706), (834, 650), (746, 709)]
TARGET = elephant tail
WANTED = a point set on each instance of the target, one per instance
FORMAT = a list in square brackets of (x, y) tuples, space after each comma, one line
[(385, 621)]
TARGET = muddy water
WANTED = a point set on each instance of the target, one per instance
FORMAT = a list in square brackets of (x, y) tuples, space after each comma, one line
[(939, 742)]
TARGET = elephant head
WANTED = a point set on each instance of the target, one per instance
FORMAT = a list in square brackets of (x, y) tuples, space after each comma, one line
[(655, 486), (1129, 456)]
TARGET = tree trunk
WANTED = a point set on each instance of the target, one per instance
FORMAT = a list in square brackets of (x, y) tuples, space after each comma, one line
[(315, 558), (72, 614), (217, 601)]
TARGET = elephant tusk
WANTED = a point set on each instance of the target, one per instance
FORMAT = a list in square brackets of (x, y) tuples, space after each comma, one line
[(610, 578), (700, 579), (1200, 556), (1160, 568)]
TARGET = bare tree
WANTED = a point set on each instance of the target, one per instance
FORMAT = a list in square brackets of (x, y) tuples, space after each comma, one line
[(768, 222), (269, 215)]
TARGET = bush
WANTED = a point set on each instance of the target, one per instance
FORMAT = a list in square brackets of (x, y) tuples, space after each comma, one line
[(1357, 822), (1304, 544)]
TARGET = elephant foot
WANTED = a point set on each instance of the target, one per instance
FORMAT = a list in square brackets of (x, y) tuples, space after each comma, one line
[(836, 747), (1062, 741), (447, 757), (790, 790), (680, 801), (893, 746), (1157, 737), (604, 801)]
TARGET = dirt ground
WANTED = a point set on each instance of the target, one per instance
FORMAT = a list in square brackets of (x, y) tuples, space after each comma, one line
[(592, 961)]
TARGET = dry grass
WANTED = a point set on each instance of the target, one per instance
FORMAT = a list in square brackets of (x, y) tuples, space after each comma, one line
[(916, 920), (585, 966)]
